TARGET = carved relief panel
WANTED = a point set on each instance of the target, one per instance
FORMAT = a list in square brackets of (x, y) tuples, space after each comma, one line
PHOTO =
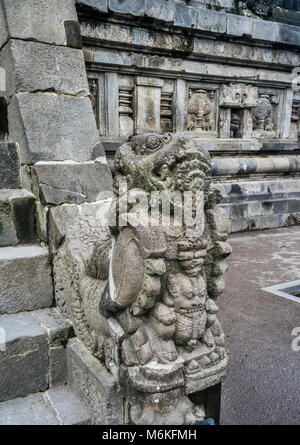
[(265, 115), (202, 109)]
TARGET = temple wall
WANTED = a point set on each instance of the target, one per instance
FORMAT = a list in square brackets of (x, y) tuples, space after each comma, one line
[(226, 78)]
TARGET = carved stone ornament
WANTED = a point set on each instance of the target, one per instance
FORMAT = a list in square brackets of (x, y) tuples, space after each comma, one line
[(263, 124), (142, 294), (238, 95), (200, 110)]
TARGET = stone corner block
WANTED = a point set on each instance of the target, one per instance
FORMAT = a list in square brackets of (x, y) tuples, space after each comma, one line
[(89, 377), (24, 363), (56, 68), (17, 217), (41, 20), (49, 127)]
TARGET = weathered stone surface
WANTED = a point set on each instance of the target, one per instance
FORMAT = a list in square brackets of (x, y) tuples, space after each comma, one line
[(96, 5), (132, 7), (8, 234), (72, 183), (57, 69), (17, 217), (161, 10), (26, 273), (9, 166), (95, 385), (70, 408), (30, 410), (212, 21), (63, 218), (24, 364), (39, 20), (59, 406), (185, 16), (91, 272), (239, 26), (49, 127)]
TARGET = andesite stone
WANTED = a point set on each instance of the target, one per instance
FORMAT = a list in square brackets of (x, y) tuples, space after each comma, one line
[(56, 68), (71, 182), (51, 127), (26, 273), (9, 166), (41, 20)]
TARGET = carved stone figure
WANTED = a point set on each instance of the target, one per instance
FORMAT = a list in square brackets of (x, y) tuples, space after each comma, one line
[(200, 110), (260, 7), (143, 298), (263, 124)]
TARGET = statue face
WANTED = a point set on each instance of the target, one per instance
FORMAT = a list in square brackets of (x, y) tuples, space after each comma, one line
[(164, 162)]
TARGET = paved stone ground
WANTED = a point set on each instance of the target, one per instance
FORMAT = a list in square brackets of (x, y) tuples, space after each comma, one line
[(263, 383)]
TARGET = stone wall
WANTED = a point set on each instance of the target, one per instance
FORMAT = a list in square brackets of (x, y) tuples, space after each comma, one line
[(197, 67)]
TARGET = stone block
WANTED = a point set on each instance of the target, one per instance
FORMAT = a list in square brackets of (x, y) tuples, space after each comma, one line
[(70, 408), (96, 5), (96, 386), (271, 222), (57, 366), (185, 16), (38, 20), (8, 234), (267, 31), (31, 410), (26, 273), (53, 128), (17, 217), (294, 205), (132, 7), (211, 21), (9, 166), (56, 68), (239, 26), (161, 10), (254, 209), (57, 327), (239, 211), (288, 34), (71, 182), (280, 206), (24, 364)]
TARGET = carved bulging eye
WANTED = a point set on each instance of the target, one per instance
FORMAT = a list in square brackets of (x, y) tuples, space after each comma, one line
[(154, 142)]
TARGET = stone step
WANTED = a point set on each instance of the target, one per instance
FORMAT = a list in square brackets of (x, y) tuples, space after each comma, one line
[(57, 406), (32, 352), (97, 387), (17, 217), (25, 277)]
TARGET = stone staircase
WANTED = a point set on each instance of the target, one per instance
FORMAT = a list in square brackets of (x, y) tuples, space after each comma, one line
[(34, 386)]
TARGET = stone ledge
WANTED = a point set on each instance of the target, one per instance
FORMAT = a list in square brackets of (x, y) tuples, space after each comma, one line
[(181, 15)]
